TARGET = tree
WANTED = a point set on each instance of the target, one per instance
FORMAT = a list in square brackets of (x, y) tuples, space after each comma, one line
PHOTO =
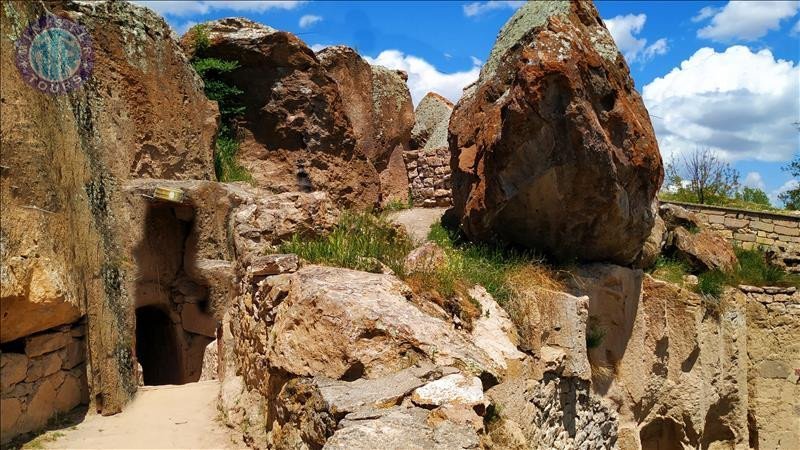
[(702, 177), (791, 198), (753, 195)]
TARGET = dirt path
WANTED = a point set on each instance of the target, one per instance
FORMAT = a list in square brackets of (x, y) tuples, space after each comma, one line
[(162, 417), (417, 221)]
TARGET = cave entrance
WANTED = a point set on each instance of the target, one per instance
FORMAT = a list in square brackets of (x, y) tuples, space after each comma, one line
[(157, 347)]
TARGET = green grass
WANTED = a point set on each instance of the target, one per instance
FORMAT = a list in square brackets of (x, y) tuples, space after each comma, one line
[(753, 269), (712, 283), (225, 163), (756, 271), (670, 269), (356, 242), (398, 205)]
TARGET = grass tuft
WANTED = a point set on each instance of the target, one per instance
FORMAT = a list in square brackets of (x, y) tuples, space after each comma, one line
[(225, 163), (670, 269), (356, 242)]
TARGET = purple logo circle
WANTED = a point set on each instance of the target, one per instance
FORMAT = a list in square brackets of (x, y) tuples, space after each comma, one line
[(54, 55)]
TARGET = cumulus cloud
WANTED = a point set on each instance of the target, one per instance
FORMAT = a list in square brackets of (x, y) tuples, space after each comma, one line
[(180, 8), (308, 20), (740, 103), (754, 180), (705, 13), (745, 20), (789, 185), (625, 30), (423, 77), (318, 47), (479, 8)]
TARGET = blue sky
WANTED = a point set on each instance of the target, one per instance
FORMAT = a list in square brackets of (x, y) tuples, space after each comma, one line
[(725, 75)]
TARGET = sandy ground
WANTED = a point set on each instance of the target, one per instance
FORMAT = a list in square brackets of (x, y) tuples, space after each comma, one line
[(160, 417), (417, 221)]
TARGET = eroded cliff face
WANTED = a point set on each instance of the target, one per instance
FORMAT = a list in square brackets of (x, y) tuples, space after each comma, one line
[(65, 157)]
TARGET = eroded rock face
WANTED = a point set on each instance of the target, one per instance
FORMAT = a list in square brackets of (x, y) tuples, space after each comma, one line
[(142, 113), (684, 235), (378, 104), (552, 148), (295, 134)]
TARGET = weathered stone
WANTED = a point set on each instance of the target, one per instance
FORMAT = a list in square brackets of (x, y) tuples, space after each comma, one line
[(210, 370), (654, 243), (269, 220), (295, 134), (493, 331), (46, 343), (427, 258), (13, 369), (705, 249), (195, 320), (346, 397), (554, 124), (399, 429), (534, 412), (455, 388), (265, 265), (73, 354), (10, 412), (337, 321), (69, 394), (43, 366)]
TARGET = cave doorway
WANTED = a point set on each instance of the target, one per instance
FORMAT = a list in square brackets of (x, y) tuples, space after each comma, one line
[(157, 347)]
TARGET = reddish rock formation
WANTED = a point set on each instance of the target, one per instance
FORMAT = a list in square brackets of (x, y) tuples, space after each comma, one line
[(553, 148), (295, 133), (378, 104)]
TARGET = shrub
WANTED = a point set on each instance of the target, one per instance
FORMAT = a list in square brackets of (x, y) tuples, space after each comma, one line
[(214, 73), (594, 335), (755, 270)]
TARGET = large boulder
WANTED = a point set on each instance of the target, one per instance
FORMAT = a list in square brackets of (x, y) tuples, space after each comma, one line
[(295, 134), (552, 148), (378, 104)]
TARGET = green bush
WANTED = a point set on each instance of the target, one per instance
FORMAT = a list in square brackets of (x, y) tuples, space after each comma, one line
[(214, 73), (754, 270), (594, 335)]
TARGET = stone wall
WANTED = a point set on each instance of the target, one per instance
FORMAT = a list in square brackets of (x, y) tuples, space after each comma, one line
[(773, 349), (749, 228), (429, 176), (42, 375)]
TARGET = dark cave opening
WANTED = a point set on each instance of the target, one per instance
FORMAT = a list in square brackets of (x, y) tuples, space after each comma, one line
[(157, 347)]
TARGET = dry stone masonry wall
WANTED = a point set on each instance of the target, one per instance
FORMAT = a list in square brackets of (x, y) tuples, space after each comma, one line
[(42, 375), (750, 229), (429, 176)]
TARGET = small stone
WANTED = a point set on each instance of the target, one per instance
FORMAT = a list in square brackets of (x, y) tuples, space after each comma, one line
[(455, 388), (272, 265)]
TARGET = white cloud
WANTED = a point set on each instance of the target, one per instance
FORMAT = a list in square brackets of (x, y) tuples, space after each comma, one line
[(754, 180), (789, 185), (624, 30), (308, 20), (746, 20), (795, 29), (705, 13), (423, 77), (739, 103), (479, 8), (184, 8)]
